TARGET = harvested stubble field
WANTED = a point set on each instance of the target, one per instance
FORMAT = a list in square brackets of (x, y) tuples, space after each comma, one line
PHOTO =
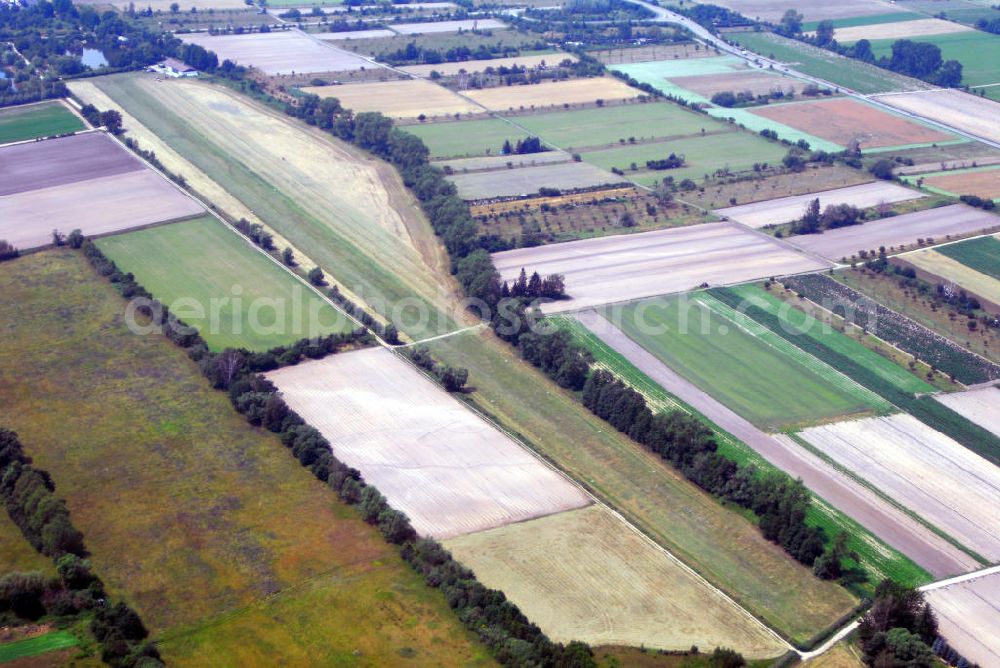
[(718, 543), (932, 225), (37, 120), (613, 269), (217, 536), (407, 98), (470, 66), (458, 139), (720, 192), (528, 180), (585, 575), (969, 617), (922, 470), (761, 377), (898, 30), (787, 209), (982, 406), (941, 269), (218, 283), (280, 52), (451, 472), (553, 94), (770, 10), (830, 487), (85, 181), (447, 26), (756, 83), (983, 183), (609, 126), (367, 234), (651, 52), (845, 120), (969, 113)]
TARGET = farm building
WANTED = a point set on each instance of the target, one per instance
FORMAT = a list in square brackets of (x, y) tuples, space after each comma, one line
[(172, 67)]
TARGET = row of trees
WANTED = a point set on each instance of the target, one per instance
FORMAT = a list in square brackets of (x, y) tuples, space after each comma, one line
[(813, 221), (523, 146), (536, 287), (452, 378), (28, 493)]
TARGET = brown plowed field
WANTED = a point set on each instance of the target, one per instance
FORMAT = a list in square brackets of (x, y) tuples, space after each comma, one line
[(757, 83), (56, 162), (985, 184), (844, 120)]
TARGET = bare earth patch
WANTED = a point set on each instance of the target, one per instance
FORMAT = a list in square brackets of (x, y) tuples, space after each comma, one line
[(614, 269), (586, 575), (56, 162), (552, 93), (845, 120), (757, 83), (982, 406), (398, 99), (937, 224), (787, 209), (969, 617), (985, 184), (447, 469), (280, 52), (969, 113)]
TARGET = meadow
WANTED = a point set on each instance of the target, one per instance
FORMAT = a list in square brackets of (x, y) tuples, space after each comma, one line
[(185, 508), (718, 543), (466, 138), (192, 266), (982, 254), (742, 370), (979, 53), (16, 553), (48, 642), (37, 120)]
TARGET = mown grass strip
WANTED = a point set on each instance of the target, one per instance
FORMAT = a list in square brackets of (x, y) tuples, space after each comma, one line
[(49, 642), (930, 412)]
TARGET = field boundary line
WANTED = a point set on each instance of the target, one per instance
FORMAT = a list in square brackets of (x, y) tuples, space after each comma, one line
[(959, 579), (439, 336)]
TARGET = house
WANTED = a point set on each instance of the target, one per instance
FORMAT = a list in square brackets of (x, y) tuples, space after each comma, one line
[(172, 67)]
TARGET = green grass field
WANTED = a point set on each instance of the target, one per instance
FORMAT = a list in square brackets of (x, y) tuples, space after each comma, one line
[(219, 538), (594, 127), (743, 371), (963, 11), (36, 120), (720, 544), (704, 155), (49, 642), (459, 139), (220, 284), (874, 19), (826, 65), (16, 553), (876, 557), (982, 254), (979, 53)]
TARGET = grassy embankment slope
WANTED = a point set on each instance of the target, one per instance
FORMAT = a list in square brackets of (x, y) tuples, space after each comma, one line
[(220, 539)]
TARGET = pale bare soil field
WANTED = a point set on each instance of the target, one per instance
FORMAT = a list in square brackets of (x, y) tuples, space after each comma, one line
[(844, 120), (969, 113), (937, 224), (586, 575), (652, 52), (528, 180), (947, 484), (969, 617), (899, 30), (553, 93), (531, 62), (613, 269), (55, 162), (447, 26), (981, 405), (757, 83), (893, 526), (945, 270), (279, 52), (401, 99), (985, 184), (353, 34), (813, 10), (501, 162), (787, 209), (96, 207), (447, 469)]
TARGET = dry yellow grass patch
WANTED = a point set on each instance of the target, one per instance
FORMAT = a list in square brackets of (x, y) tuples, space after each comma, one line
[(447, 69), (969, 279), (399, 99), (553, 93), (842, 655)]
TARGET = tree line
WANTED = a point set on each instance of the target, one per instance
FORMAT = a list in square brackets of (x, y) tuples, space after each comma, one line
[(28, 494)]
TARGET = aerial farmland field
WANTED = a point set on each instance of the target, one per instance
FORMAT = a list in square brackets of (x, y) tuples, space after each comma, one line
[(923, 470), (528, 180), (217, 282), (501, 162), (969, 616), (787, 209), (980, 181), (458, 139), (898, 30), (450, 471), (280, 52), (615, 269), (757, 83), (938, 268), (37, 120), (978, 51), (769, 10), (982, 254), (220, 540), (470, 66), (85, 181), (447, 26), (939, 225), (585, 575), (970, 113), (553, 94), (982, 406), (408, 98)]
